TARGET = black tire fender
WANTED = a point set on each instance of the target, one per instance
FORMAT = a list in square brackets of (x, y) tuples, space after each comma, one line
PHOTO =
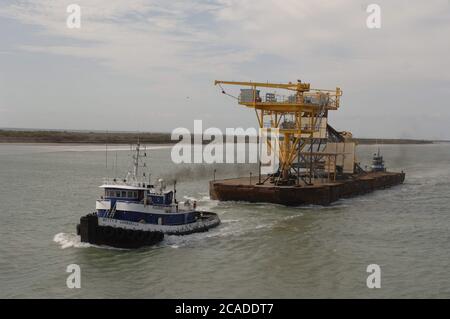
[(120, 233), (108, 231), (130, 234)]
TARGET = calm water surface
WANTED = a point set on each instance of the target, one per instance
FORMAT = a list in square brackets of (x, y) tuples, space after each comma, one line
[(260, 250)]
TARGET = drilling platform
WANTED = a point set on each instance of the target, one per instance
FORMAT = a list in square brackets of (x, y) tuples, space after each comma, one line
[(315, 164)]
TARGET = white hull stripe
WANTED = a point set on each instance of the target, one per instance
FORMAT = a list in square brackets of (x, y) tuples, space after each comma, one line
[(167, 229)]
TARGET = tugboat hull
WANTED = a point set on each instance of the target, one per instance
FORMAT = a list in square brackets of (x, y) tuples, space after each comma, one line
[(125, 234), (91, 232)]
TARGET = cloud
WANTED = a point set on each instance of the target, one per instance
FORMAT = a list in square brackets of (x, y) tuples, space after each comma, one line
[(174, 43), (128, 36), (141, 36)]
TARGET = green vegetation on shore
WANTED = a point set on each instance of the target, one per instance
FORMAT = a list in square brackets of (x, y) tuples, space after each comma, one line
[(37, 136)]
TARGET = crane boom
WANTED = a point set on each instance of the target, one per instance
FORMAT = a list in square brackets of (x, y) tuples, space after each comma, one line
[(299, 86)]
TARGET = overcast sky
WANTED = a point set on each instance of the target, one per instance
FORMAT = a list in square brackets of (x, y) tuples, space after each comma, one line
[(150, 65)]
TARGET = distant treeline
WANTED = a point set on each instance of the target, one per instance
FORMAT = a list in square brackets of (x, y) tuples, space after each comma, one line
[(390, 141), (37, 136), (16, 136)]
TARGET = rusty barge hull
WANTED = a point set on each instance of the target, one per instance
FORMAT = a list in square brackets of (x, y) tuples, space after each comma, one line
[(241, 189)]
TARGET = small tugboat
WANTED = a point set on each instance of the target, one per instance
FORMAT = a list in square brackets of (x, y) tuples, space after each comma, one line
[(133, 213), (378, 162)]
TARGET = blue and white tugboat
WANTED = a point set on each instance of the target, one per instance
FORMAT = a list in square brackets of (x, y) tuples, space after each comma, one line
[(378, 162), (133, 213)]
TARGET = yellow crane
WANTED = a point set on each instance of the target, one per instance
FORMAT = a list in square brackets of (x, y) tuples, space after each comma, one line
[(297, 116)]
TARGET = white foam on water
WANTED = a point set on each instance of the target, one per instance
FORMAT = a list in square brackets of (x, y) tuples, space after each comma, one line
[(228, 227), (223, 230), (176, 241), (191, 198), (230, 220), (268, 225), (292, 216), (208, 205), (201, 199), (67, 240), (203, 203)]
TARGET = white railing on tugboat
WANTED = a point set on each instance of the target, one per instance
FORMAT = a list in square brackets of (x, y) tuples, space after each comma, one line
[(123, 182)]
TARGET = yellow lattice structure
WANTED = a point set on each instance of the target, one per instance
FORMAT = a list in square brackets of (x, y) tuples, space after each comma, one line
[(297, 117)]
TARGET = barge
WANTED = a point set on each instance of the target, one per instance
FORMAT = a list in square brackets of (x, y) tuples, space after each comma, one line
[(320, 193), (302, 159)]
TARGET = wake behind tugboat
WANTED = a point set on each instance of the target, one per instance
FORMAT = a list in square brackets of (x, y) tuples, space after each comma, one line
[(133, 213)]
